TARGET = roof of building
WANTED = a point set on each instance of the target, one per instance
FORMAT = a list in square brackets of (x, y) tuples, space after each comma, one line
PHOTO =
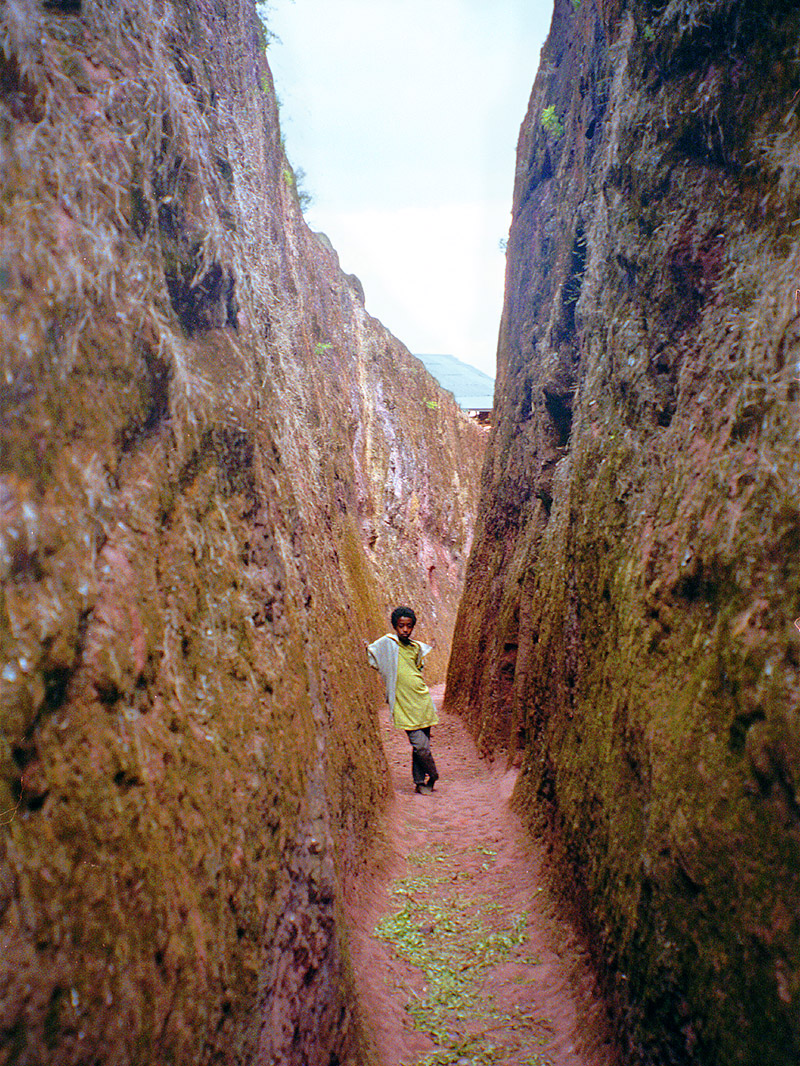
[(473, 390)]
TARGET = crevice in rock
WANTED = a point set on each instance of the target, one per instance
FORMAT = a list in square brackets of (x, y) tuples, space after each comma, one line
[(205, 302), (559, 409), (140, 212), (62, 7), (526, 400), (737, 734), (133, 434), (18, 92)]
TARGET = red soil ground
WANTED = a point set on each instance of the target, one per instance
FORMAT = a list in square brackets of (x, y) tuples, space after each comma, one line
[(483, 857)]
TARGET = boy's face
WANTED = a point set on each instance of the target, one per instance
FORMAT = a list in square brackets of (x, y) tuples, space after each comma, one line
[(404, 628)]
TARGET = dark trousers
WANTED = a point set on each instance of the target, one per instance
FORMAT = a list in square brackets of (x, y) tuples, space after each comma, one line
[(422, 764)]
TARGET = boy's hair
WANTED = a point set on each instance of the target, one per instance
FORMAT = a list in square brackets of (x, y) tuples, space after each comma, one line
[(402, 612)]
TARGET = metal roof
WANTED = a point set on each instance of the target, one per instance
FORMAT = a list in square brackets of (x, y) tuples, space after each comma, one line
[(473, 390)]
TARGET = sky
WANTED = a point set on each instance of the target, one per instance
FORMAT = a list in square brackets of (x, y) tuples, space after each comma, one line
[(404, 115)]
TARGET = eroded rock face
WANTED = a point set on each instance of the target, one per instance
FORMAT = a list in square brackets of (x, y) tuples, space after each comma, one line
[(634, 580), (217, 475)]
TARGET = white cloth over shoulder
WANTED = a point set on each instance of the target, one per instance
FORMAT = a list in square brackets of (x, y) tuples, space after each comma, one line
[(383, 654)]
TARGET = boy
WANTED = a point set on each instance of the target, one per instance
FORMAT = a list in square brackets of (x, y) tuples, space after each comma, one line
[(399, 660)]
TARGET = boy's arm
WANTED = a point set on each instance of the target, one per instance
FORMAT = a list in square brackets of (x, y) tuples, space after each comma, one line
[(371, 657)]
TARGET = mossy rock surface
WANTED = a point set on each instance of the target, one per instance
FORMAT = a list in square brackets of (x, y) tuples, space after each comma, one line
[(216, 479), (632, 590)]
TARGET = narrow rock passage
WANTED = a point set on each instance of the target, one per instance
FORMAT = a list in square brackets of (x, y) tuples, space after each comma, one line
[(469, 963)]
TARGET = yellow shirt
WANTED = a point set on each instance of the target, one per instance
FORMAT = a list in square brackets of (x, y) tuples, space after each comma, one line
[(413, 706)]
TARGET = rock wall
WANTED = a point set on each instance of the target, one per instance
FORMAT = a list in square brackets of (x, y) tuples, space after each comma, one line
[(634, 580), (217, 476)]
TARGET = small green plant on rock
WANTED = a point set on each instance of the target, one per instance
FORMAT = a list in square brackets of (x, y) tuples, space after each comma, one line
[(294, 179), (265, 36), (552, 123), (265, 33), (305, 198)]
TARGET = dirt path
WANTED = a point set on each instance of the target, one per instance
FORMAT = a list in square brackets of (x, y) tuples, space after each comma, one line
[(469, 965)]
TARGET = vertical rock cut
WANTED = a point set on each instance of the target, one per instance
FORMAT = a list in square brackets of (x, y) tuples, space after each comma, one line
[(217, 473), (632, 590)]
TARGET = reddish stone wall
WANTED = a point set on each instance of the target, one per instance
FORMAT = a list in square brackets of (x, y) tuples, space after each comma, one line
[(217, 473), (631, 593)]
